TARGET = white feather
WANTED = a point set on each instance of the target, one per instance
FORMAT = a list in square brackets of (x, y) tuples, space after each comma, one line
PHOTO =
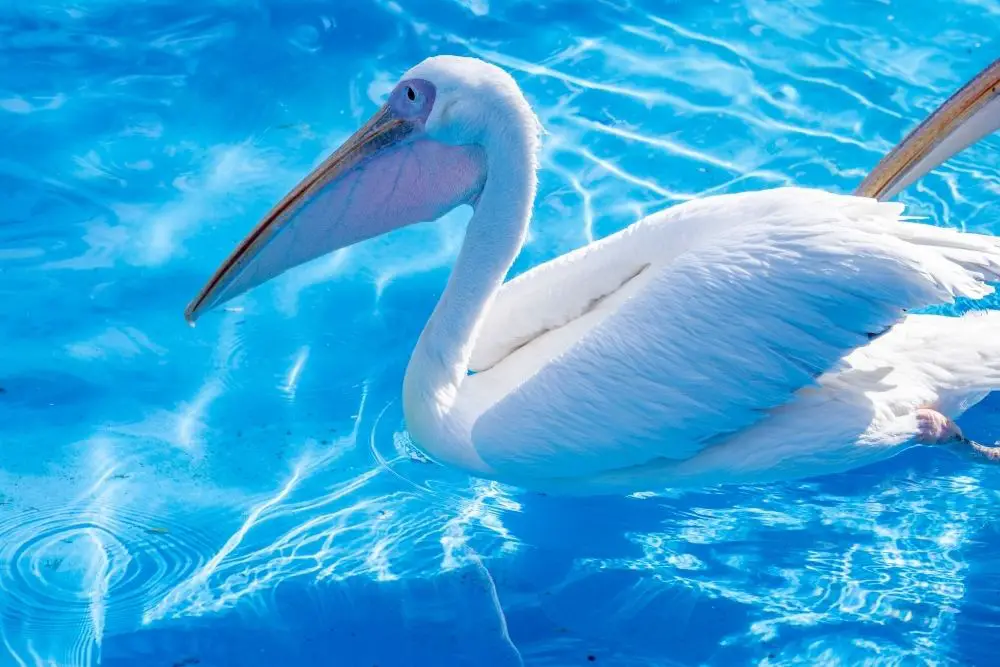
[(747, 300)]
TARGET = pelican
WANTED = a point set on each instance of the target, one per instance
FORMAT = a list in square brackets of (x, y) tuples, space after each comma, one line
[(749, 337)]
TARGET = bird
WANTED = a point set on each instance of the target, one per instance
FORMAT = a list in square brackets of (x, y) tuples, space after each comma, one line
[(737, 338)]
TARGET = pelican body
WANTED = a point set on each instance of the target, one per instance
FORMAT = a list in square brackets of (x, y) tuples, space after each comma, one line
[(737, 338)]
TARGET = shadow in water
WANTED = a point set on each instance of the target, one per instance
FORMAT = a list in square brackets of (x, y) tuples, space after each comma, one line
[(357, 622)]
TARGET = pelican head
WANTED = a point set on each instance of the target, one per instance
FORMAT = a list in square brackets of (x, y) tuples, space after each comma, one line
[(423, 153)]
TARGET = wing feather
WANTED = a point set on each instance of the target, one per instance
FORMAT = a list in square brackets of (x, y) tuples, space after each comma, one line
[(752, 297), (549, 296)]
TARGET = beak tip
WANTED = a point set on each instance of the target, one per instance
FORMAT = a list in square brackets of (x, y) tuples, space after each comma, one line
[(191, 314)]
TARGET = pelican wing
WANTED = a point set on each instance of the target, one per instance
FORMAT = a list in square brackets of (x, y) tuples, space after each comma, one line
[(553, 295), (726, 307)]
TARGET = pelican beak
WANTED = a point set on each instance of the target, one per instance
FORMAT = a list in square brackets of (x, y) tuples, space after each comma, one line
[(966, 117), (386, 175)]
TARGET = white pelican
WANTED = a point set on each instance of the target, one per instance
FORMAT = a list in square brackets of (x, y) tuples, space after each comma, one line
[(732, 338)]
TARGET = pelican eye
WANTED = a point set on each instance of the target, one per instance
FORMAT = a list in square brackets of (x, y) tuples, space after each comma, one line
[(412, 100)]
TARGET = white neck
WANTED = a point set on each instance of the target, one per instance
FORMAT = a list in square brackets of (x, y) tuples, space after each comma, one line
[(440, 362)]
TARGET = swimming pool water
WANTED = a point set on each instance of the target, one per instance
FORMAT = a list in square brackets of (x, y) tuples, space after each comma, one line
[(243, 493)]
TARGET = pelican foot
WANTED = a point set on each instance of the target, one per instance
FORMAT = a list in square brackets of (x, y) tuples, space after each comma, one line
[(933, 428), (988, 452)]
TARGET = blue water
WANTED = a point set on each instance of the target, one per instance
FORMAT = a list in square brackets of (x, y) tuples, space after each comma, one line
[(243, 493)]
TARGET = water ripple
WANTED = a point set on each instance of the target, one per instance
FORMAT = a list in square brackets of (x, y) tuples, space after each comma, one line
[(84, 569), (133, 559)]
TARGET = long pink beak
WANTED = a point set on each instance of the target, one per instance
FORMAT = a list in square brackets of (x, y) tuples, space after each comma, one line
[(387, 175)]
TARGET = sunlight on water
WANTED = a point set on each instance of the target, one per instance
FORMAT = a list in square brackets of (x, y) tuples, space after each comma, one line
[(245, 492)]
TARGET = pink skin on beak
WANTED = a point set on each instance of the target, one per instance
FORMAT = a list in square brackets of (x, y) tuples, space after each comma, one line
[(387, 175)]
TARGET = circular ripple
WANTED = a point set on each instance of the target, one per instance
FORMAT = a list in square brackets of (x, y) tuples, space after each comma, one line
[(456, 497), (63, 565), (392, 448)]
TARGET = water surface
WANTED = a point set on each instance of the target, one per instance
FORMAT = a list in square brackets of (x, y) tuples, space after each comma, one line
[(243, 493)]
